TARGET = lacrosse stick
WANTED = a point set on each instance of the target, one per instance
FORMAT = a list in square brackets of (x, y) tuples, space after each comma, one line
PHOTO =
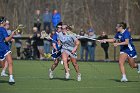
[(48, 55), (45, 35), (19, 27), (85, 37)]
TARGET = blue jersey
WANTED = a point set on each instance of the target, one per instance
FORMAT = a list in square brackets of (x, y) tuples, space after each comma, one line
[(55, 39), (130, 48), (3, 35)]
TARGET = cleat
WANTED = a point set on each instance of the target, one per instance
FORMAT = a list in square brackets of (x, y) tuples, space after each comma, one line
[(124, 80), (67, 76), (50, 74), (79, 77), (4, 75), (11, 81), (62, 62)]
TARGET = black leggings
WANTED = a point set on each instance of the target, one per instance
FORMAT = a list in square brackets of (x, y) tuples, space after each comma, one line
[(18, 51), (106, 52)]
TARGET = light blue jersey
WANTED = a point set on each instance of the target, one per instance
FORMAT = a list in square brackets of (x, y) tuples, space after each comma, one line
[(68, 43), (128, 49)]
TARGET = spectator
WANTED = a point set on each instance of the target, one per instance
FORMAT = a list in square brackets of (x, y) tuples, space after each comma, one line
[(91, 44), (105, 45), (40, 46), (56, 18), (27, 50), (35, 52), (47, 18), (18, 43), (37, 19), (47, 43), (83, 47)]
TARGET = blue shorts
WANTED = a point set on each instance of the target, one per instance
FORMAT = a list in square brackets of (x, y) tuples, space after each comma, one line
[(132, 53), (3, 54), (56, 55)]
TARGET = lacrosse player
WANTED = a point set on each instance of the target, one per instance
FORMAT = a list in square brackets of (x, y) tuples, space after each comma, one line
[(69, 47), (127, 49), (5, 53), (7, 25), (56, 53)]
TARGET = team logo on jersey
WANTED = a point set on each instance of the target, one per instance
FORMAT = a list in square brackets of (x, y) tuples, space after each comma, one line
[(120, 37)]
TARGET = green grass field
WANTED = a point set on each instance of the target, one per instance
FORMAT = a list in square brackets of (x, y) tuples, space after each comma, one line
[(32, 77)]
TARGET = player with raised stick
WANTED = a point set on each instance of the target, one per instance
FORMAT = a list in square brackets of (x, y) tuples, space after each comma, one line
[(127, 49), (5, 53)]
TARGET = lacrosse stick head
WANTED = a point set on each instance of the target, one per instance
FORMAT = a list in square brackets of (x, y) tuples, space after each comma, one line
[(19, 28), (43, 34), (47, 55)]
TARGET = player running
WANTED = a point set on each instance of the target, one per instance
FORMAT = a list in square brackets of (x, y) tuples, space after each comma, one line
[(56, 52), (69, 47), (127, 49), (5, 53)]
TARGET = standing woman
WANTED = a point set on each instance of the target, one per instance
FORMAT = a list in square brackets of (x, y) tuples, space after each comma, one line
[(127, 49), (5, 53), (69, 47), (105, 46)]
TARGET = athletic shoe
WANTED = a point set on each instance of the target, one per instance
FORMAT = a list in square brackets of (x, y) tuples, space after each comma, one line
[(138, 68), (4, 75), (124, 80), (11, 81), (67, 76), (50, 74), (62, 62), (79, 77)]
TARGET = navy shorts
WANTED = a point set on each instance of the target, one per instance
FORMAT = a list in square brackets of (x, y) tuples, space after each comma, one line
[(132, 53), (3, 54)]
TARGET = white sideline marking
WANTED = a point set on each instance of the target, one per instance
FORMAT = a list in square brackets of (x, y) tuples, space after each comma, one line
[(75, 88)]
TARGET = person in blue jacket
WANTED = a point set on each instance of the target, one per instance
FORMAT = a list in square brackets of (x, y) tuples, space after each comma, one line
[(56, 18)]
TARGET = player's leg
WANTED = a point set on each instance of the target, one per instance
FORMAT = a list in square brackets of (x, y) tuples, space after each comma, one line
[(10, 63), (122, 59), (5, 63), (65, 59), (56, 61), (132, 63), (74, 62)]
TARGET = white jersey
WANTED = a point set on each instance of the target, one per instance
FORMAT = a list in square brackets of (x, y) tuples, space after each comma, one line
[(68, 43)]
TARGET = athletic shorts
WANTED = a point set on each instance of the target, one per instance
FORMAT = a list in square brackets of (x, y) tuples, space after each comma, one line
[(69, 53), (3, 54), (132, 54)]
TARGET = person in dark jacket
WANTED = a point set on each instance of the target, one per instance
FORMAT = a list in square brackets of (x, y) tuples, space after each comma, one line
[(83, 47), (105, 46)]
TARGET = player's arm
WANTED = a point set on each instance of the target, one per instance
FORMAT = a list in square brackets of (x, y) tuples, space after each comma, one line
[(54, 41), (107, 40), (126, 42), (54, 46), (7, 39), (76, 46)]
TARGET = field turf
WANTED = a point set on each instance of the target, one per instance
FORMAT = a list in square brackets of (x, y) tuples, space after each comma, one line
[(97, 77)]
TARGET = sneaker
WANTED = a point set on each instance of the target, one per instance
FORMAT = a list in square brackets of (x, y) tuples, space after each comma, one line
[(124, 80), (11, 81), (67, 76), (62, 62), (4, 74), (138, 68), (50, 74), (79, 77)]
